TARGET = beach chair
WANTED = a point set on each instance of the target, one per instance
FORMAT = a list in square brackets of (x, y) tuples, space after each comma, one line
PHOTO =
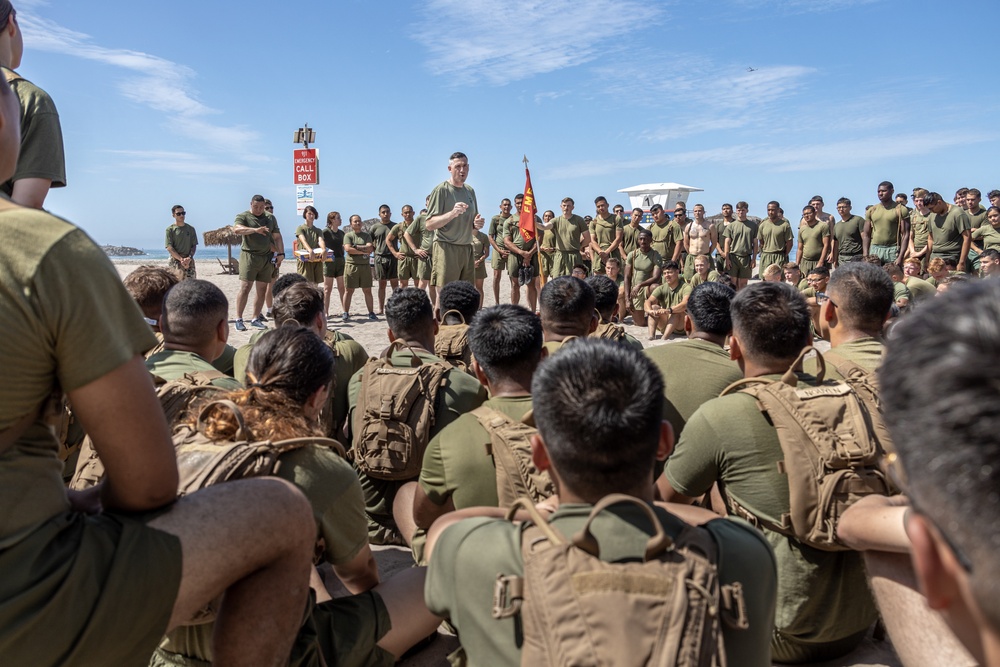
[(232, 268)]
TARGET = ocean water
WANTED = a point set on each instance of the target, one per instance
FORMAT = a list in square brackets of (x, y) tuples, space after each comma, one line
[(202, 253)]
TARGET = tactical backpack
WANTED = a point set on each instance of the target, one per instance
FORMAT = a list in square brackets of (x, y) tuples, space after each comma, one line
[(395, 413), (452, 344), (865, 384), (510, 447), (832, 453), (577, 610), (175, 396), (609, 331)]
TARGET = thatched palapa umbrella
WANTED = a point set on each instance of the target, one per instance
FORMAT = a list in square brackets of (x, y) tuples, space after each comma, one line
[(224, 236)]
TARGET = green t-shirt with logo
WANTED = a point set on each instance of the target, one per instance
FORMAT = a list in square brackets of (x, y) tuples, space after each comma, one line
[(183, 239)]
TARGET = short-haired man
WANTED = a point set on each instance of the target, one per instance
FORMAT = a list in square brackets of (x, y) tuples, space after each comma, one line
[(456, 309), (668, 234), (410, 318), (739, 246), (700, 238), (847, 242), (814, 241), (887, 227), (643, 269), (569, 235), (630, 232), (990, 263), (900, 294), (407, 268), (817, 205), (697, 369), (500, 252), (959, 199), (522, 261), (949, 231), (181, 243), (386, 256), (546, 246), (195, 329), (451, 211), (357, 271), (852, 310), (994, 197), (793, 276), (951, 526), (918, 228), (720, 228), (261, 237), (148, 285), (824, 607), (666, 304), (775, 236), (606, 235), (506, 341), (606, 298), (599, 432), (567, 309), (421, 241)]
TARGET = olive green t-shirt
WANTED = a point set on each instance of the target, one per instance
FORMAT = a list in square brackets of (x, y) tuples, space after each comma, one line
[(822, 596), (899, 291), (741, 237), (919, 288), (469, 555), (380, 237), (697, 280), (41, 153), (977, 218), (182, 239), (946, 231), (630, 238), (52, 340), (174, 364), (498, 224), (811, 239), (442, 200), (918, 226), (848, 235), (865, 352), (666, 237), (257, 243), (334, 241), (987, 236), (512, 231), (567, 232), (418, 231), (670, 297), (694, 371), (457, 464), (774, 237), (357, 240), (312, 233), (396, 236), (480, 245), (885, 223), (604, 231), (643, 265)]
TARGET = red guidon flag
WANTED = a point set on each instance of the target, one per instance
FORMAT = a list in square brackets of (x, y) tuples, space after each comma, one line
[(527, 220)]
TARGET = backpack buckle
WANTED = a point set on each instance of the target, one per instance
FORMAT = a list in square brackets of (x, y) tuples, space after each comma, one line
[(508, 596)]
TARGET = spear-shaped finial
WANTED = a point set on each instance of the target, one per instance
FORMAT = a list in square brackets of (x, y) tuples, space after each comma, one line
[(525, 161)]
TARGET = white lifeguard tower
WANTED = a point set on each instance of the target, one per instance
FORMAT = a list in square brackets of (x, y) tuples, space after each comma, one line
[(666, 195)]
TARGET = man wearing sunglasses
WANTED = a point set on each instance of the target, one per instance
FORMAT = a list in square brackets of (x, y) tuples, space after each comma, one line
[(181, 242)]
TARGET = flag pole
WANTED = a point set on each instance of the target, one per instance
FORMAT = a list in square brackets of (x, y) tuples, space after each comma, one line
[(530, 203)]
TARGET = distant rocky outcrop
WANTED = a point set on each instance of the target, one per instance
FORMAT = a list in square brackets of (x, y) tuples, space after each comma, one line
[(122, 251)]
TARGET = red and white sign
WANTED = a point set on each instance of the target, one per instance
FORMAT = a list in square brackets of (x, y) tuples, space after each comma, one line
[(306, 163)]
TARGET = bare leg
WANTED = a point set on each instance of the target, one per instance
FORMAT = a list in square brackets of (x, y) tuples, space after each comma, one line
[(622, 305), (673, 323), (269, 296), (515, 292), (479, 288), (340, 292), (432, 290), (253, 540), (403, 596), (496, 285), (327, 290), (367, 291), (918, 633), (258, 302), (381, 297), (347, 299), (394, 283), (402, 511), (654, 322), (241, 298), (532, 295)]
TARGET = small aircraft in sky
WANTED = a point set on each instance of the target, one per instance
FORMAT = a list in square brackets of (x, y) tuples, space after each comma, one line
[(752, 69)]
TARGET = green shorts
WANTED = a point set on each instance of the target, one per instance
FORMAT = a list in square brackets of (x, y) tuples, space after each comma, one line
[(496, 261), (346, 631), (424, 267), (334, 269), (639, 302), (739, 266), (480, 271), (408, 268), (514, 264), (766, 259), (807, 265), (546, 263), (887, 253), (357, 275), (452, 262), (563, 263), (785, 649), (256, 267), (386, 267), (313, 271), (78, 590)]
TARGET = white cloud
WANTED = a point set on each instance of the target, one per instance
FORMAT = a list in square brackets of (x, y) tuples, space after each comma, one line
[(155, 82), (803, 6), (178, 162), (500, 41)]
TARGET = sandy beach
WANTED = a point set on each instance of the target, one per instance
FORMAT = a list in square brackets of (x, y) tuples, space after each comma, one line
[(372, 335)]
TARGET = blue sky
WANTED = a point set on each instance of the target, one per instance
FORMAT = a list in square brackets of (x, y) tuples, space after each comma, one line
[(196, 102)]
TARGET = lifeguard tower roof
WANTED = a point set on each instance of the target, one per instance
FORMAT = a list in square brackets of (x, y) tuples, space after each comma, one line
[(666, 195)]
